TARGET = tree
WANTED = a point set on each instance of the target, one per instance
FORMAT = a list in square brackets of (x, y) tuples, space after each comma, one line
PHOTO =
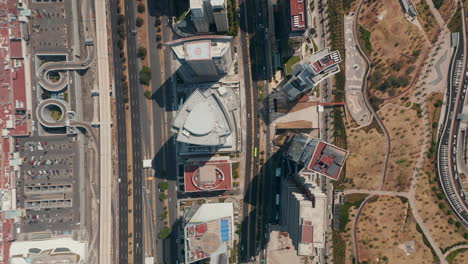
[(465, 236), (157, 22), (158, 37), (120, 19), (141, 8), (451, 221), (145, 75), (148, 94), (164, 233), (139, 22), (163, 186), (159, 45), (162, 196), (141, 53)]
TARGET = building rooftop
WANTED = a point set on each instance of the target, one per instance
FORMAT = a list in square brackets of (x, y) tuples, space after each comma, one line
[(328, 160), (209, 232), (298, 15), (207, 174), (207, 117), (310, 72), (316, 155), (201, 47)]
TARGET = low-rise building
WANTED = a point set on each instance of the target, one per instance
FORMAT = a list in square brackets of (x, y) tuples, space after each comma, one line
[(203, 58), (310, 72), (208, 174), (298, 14), (209, 233)]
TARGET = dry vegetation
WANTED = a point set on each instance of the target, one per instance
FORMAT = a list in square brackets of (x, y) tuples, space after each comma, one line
[(398, 47), (461, 258), (384, 226), (447, 9), (435, 211), (427, 19), (365, 162), (406, 133)]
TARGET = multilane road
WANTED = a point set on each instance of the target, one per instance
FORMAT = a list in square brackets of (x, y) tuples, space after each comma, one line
[(446, 151)]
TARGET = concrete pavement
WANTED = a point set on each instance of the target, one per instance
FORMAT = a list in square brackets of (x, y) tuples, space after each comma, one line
[(105, 205)]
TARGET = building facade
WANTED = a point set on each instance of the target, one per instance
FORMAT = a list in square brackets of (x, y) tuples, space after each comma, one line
[(209, 12)]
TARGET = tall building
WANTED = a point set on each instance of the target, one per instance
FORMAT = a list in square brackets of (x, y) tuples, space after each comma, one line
[(203, 58), (208, 12), (209, 233), (315, 155), (303, 212), (310, 72), (206, 122)]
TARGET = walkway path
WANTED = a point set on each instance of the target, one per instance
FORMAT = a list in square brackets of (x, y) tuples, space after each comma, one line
[(455, 248)]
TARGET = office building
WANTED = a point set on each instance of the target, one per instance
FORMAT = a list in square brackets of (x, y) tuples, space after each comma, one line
[(310, 72), (209, 233), (203, 58), (209, 12)]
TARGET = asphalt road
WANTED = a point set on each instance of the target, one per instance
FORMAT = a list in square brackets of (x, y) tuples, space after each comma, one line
[(122, 143), (446, 153), (248, 238), (164, 162)]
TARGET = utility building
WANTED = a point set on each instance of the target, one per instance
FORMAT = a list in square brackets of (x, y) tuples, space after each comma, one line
[(203, 58), (208, 12)]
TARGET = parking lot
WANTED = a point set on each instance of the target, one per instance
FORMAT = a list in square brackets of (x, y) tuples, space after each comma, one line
[(49, 187)]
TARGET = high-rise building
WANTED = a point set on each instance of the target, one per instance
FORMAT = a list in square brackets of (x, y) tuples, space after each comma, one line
[(203, 58), (206, 122), (208, 12), (310, 72), (303, 212), (209, 233)]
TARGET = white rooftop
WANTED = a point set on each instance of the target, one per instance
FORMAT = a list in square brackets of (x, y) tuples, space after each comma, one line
[(212, 211), (204, 119), (198, 50), (21, 248)]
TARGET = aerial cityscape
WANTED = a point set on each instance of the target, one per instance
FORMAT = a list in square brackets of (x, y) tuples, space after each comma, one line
[(233, 131)]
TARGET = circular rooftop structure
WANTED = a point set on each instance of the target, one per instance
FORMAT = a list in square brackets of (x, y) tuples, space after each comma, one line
[(52, 112), (208, 177), (210, 243), (201, 120)]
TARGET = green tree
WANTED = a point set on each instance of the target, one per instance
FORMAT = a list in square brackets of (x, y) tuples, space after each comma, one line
[(120, 19), (164, 233), (141, 53), (162, 197), (451, 221), (148, 94), (158, 37), (163, 186), (141, 8), (145, 75), (139, 22)]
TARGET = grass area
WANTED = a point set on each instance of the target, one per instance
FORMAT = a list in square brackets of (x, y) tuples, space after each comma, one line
[(339, 130), (339, 248), (290, 63), (183, 15), (437, 3), (455, 24), (233, 18), (365, 36), (426, 242), (451, 257), (235, 170), (344, 212), (56, 114)]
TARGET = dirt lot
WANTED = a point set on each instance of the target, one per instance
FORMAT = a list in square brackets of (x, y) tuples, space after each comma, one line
[(385, 226), (398, 47), (365, 162), (427, 19), (461, 258), (406, 133), (447, 9), (436, 211)]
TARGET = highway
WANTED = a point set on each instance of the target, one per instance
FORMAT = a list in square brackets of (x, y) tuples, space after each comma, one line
[(446, 150), (122, 139), (105, 136)]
